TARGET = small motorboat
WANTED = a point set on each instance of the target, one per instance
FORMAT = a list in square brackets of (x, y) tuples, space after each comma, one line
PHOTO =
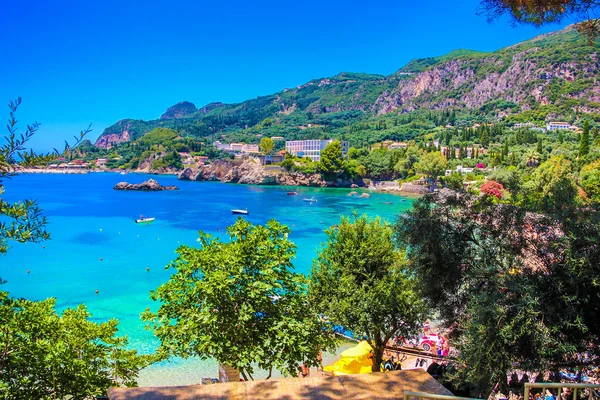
[(144, 220), (240, 211), (312, 199), (292, 193)]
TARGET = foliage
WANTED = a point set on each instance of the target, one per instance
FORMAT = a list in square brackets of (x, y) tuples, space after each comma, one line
[(551, 187), (47, 355), (584, 146), (240, 303), (541, 12), (432, 164), (359, 281), (454, 181), (331, 158), (266, 145), (520, 288), (492, 188), (590, 180)]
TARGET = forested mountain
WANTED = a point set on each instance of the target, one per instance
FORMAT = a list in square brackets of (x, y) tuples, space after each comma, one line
[(552, 76)]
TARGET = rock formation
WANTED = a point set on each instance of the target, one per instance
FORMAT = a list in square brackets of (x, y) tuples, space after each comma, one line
[(149, 186), (251, 172)]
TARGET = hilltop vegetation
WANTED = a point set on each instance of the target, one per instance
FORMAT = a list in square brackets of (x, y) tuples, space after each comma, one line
[(550, 77)]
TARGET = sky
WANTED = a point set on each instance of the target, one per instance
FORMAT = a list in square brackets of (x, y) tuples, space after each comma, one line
[(81, 62)]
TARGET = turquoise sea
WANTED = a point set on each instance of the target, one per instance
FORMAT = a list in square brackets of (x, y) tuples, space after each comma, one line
[(96, 245)]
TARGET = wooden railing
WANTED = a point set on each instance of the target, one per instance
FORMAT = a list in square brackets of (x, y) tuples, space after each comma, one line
[(574, 386)]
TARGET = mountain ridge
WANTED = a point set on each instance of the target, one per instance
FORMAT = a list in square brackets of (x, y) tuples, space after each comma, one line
[(557, 69)]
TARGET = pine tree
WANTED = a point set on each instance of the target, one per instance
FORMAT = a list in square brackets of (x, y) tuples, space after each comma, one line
[(584, 143), (539, 146), (561, 138)]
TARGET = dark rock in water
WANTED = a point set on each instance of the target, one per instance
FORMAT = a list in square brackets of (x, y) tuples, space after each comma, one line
[(148, 186)]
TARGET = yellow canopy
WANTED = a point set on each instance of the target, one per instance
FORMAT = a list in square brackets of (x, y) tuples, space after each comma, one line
[(354, 360)]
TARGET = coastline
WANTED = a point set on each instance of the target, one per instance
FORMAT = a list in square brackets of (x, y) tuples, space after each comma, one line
[(390, 187)]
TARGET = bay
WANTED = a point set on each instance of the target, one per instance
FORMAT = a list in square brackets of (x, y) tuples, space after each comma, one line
[(96, 245)]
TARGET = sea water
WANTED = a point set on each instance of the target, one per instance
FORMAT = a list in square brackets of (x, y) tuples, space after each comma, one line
[(97, 246)]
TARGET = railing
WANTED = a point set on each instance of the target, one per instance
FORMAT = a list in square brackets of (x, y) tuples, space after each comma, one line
[(574, 386), (420, 395)]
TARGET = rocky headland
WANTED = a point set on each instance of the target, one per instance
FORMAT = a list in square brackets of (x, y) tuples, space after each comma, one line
[(251, 172), (149, 186)]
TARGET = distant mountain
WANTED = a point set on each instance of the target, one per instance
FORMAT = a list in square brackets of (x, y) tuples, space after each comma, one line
[(179, 110), (550, 75)]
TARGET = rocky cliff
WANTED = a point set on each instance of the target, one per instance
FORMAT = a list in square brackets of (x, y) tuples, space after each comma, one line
[(251, 172)]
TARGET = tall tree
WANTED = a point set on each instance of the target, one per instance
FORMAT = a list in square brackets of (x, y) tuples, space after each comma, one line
[(331, 158), (240, 303), (266, 145), (584, 142), (360, 281)]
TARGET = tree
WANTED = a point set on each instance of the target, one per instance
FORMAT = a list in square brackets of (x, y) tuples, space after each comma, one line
[(331, 158), (50, 356), (432, 164), (454, 181), (240, 303), (541, 12), (518, 287), (46, 355), (359, 281), (584, 143), (590, 180), (266, 145), (551, 187)]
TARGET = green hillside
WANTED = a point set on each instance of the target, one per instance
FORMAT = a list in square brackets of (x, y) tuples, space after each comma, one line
[(552, 76)]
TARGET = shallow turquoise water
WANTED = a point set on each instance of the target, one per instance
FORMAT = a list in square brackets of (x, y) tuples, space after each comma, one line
[(89, 221)]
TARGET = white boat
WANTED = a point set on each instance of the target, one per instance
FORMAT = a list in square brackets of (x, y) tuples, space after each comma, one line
[(144, 220), (312, 199), (240, 211)]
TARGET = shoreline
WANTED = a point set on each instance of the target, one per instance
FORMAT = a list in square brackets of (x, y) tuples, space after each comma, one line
[(69, 171)]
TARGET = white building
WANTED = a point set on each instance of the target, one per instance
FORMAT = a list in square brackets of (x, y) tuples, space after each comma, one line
[(460, 169), (553, 126), (311, 148), (243, 148)]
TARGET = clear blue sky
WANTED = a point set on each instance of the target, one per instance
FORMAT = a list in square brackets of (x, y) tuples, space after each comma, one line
[(81, 62)]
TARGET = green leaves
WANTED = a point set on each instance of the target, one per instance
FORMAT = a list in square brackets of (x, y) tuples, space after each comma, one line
[(239, 302), (359, 282), (46, 355), (519, 287), (331, 158)]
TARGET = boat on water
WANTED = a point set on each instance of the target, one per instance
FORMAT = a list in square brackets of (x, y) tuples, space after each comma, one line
[(144, 220), (292, 193), (123, 173), (240, 211), (311, 200)]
